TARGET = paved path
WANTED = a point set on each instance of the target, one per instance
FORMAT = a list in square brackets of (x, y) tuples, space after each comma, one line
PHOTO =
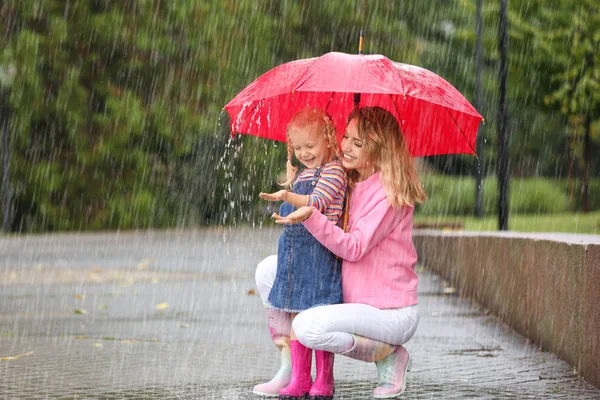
[(173, 315)]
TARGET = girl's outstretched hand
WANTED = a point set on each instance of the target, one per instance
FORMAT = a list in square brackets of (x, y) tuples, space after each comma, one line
[(299, 215), (277, 196)]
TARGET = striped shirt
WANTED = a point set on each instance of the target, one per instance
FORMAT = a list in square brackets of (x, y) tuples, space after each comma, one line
[(328, 194)]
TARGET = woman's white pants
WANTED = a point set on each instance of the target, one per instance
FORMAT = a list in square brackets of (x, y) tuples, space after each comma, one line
[(330, 328)]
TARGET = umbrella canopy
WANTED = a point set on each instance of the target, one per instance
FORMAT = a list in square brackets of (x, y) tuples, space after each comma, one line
[(435, 117)]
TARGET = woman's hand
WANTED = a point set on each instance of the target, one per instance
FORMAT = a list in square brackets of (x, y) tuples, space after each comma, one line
[(277, 196), (299, 215)]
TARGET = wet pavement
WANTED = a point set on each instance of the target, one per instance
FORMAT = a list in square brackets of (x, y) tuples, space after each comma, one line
[(174, 315)]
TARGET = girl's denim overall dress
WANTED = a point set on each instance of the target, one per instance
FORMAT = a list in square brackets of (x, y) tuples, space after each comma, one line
[(308, 274)]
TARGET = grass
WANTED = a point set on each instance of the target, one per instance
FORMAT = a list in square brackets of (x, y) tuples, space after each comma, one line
[(563, 222)]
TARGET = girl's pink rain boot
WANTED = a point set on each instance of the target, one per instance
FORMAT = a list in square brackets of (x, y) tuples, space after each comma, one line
[(279, 329), (301, 379), (283, 376), (323, 388), (392, 374)]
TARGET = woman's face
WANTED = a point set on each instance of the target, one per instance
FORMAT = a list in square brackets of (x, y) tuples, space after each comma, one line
[(355, 156)]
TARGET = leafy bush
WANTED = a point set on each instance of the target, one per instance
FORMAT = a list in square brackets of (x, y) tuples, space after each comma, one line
[(451, 195), (448, 195), (537, 196), (573, 192)]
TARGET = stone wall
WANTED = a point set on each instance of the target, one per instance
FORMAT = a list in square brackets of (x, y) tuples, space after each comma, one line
[(546, 286)]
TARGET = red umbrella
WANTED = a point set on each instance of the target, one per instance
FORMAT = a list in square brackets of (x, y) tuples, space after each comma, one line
[(435, 117)]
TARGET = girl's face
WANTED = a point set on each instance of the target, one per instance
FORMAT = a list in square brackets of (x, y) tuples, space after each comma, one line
[(355, 156), (310, 148)]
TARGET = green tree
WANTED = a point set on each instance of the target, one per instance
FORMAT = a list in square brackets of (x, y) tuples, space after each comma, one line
[(116, 106), (566, 37)]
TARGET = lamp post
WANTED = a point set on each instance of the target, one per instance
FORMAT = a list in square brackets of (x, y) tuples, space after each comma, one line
[(479, 106), (7, 75), (503, 131)]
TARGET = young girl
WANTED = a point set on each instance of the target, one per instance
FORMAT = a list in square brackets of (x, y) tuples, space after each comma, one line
[(308, 274), (379, 281)]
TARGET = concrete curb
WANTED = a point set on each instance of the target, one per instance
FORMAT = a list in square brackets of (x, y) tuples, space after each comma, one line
[(546, 286)]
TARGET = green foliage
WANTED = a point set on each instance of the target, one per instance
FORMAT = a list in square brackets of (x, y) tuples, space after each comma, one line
[(562, 39), (573, 191), (564, 222), (113, 111), (537, 196), (116, 115), (455, 196)]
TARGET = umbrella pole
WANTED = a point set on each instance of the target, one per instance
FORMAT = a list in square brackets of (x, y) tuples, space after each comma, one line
[(360, 51)]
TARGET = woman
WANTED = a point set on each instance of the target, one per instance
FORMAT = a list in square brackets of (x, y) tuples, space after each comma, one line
[(379, 313)]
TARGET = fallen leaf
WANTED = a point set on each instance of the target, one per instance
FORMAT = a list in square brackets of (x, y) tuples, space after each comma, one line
[(15, 357), (162, 306), (82, 337), (145, 264), (102, 307), (449, 290), (127, 282), (108, 338), (130, 341), (155, 280), (97, 344), (79, 296), (95, 277), (251, 292), (80, 311)]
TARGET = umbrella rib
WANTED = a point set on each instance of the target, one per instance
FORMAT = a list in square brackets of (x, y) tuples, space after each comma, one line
[(397, 112), (303, 74), (461, 131), (330, 100), (252, 109)]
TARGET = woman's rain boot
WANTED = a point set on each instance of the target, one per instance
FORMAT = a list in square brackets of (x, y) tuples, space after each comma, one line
[(301, 379), (392, 363), (392, 374), (323, 388)]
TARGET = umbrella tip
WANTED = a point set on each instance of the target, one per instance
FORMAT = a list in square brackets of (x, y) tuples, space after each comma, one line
[(360, 42)]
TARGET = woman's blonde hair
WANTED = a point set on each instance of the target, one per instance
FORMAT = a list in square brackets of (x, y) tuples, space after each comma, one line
[(317, 121), (386, 149)]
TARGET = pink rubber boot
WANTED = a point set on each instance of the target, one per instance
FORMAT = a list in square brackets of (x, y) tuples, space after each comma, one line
[(279, 329), (301, 379), (323, 388)]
